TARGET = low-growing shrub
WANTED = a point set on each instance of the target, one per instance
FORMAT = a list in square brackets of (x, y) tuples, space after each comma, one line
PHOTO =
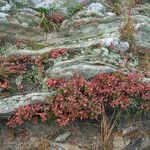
[(56, 19), (82, 99), (50, 22), (32, 112), (10, 65), (78, 98), (57, 52)]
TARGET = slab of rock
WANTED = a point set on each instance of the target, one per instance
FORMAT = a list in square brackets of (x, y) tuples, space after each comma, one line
[(7, 7), (119, 143), (10, 104), (44, 4), (82, 66), (58, 146), (145, 144), (45, 144), (142, 37), (3, 16), (63, 137), (96, 7), (116, 43), (22, 23)]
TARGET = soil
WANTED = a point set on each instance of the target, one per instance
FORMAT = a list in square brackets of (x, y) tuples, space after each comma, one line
[(84, 134)]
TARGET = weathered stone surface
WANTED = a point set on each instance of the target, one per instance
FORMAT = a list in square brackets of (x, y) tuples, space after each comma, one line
[(40, 144), (19, 23), (10, 104), (116, 43), (142, 37), (119, 143), (145, 145), (63, 137), (96, 7), (45, 4), (56, 146), (7, 7), (133, 135), (3, 16), (82, 66)]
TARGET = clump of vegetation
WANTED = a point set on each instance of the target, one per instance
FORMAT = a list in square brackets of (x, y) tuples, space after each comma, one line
[(43, 10), (86, 98), (107, 128), (10, 67), (29, 113), (127, 30), (31, 70), (115, 6), (29, 44), (50, 22), (81, 99), (72, 9)]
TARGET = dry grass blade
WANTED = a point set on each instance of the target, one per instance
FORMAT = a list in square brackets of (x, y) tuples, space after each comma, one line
[(107, 129), (127, 30), (115, 7)]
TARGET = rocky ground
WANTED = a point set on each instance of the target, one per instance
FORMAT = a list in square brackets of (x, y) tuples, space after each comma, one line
[(93, 43)]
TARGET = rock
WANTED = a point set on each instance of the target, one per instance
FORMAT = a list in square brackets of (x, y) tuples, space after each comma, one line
[(144, 10), (35, 1), (58, 146), (108, 41), (87, 36), (81, 1), (140, 19), (110, 14), (46, 144), (3, 3), (146, 80), (134, 135), (82, 66), (10, 104), (7, 7), (35, 143), (63, 137), (129, 129), (145, 144), (123, 46), (3, 16), (30, 11), (142, 38), (116, 43), (44, 4), (23, 24), (119, 143), (96, 7)]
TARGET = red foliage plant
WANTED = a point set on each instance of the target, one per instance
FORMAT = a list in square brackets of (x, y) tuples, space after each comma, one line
[(12, 65), (56, 18), (4, 85), (28, 113), (57, 52), (83, 99)]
